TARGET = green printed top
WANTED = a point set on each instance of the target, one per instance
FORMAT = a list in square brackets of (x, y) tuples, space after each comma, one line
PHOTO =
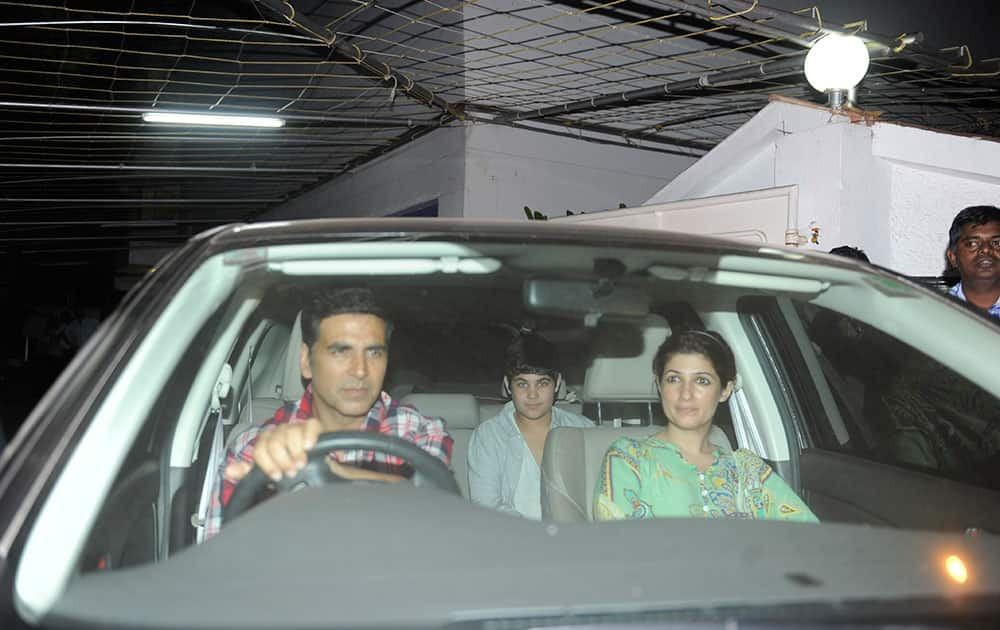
[(649, 478)]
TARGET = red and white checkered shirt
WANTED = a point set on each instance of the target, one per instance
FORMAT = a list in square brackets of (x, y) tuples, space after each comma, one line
[(386, 417)]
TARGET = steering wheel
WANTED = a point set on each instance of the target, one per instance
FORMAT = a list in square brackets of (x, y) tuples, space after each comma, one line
[(427, 469)]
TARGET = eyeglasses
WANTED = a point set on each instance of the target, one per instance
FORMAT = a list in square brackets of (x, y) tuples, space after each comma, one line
[(975, 244)]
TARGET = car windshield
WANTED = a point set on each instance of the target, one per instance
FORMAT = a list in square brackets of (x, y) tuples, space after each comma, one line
[(575, 407)]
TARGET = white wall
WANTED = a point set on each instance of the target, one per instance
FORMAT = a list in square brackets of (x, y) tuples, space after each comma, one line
[(491, 172), (746, 159), (924, 202), (932, 176), (431, 167), (866, 200), (507, 169), (791, 145), (890, 189)]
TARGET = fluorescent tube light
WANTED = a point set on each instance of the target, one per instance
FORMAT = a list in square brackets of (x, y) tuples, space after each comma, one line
[(739, 279), (139, 223), (386, 266), (218, 120)]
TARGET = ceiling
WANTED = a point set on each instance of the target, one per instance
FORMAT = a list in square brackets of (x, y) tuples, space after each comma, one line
[(82, 174)]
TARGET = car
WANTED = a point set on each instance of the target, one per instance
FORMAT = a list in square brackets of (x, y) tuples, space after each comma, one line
[(874, 398)]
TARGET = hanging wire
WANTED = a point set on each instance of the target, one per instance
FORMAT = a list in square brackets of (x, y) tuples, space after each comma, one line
[(732, 15), (411, 63)]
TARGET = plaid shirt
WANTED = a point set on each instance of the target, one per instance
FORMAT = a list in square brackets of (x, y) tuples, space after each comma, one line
[(386, 417)]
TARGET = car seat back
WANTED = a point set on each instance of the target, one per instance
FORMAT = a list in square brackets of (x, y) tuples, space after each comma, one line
[(461, 415)]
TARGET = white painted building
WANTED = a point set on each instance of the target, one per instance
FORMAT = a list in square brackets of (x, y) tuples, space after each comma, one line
[(491, 172), (887, 188)]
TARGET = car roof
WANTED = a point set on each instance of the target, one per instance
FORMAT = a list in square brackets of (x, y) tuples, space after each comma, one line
[(240, 235)]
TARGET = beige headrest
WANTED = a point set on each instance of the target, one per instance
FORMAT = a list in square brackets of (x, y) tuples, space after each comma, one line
[(460, 411), (622, 369)]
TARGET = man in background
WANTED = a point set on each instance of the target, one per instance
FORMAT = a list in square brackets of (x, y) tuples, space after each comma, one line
[(851, 252), (974, 250)]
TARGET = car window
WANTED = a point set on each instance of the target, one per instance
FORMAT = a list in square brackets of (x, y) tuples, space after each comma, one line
[(898, 405), (146, 491)]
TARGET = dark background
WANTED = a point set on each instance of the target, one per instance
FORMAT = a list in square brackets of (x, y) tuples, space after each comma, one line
[(41, 290)]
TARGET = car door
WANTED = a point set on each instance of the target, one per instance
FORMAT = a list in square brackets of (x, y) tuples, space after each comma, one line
[(887, 435)]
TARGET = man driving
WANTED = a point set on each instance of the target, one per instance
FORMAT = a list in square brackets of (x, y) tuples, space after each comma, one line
[(344, 355)]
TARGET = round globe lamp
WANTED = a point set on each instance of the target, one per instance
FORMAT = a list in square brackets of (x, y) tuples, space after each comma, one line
[(835, 64)]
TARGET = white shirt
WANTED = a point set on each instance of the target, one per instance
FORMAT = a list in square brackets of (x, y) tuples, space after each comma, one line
[(499, 457), (528, 492)]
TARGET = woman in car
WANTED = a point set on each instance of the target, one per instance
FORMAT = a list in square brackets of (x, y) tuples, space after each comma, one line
[(678, 472)]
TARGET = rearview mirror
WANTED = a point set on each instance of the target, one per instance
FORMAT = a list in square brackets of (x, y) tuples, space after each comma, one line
[(587, 299)]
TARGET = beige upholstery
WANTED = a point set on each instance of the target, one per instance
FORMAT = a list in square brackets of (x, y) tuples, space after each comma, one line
[(461, 416), (291, 384), (490, 409), (612, 377), (267, 371), (572, 407), (571, 465), (620, 371), (282, 384), (460, 411), (266, 387)]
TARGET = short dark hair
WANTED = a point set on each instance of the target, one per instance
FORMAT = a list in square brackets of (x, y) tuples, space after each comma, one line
[(328, 302), (530, 354), (850, 252), (698, 341), (974, 216)]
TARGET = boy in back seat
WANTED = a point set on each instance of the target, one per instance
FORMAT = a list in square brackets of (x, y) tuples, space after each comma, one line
[(505, 452)]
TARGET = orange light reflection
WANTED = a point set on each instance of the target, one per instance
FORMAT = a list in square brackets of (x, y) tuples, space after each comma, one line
[(956, 570)]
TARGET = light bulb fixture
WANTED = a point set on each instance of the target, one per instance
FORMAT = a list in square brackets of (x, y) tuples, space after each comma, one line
[(215, 120), (835, 64)]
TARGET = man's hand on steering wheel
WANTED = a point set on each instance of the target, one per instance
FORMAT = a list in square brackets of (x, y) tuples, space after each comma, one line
[(283, 450), (279, 452)]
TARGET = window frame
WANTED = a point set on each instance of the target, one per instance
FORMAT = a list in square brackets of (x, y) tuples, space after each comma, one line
[(776, 321)]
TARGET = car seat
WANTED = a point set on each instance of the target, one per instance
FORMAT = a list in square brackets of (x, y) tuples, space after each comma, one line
[(571, 465), (621, 371), (461, 415), (280, 382)]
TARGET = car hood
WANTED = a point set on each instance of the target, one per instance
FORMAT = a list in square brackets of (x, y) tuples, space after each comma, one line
[(356, 555)]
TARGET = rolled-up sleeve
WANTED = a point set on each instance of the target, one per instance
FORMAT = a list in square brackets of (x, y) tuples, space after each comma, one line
[(432, 436)]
